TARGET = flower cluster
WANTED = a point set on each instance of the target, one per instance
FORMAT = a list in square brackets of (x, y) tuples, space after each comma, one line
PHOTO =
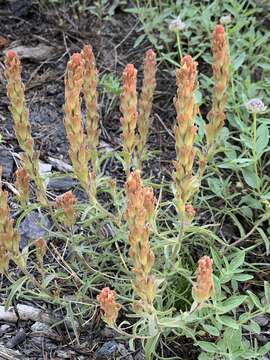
[(108, 304), (177, 25), (140, 208), (9, 236), (91, 101), (73, 121), (255, 106), (203, 289), (18, 108), (221, 71), (146, 101), (185, 131), (22, 185), (67, 203), (128, 108)]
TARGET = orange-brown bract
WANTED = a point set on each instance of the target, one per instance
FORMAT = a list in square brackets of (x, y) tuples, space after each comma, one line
[(91, 101), (203, 289), (9, 236), (73, 121), (129, 112), (18, 108), (108, 304), (140, 207), (146, 102), (67, 203), (185, 131), (22, 185), (221, 71), (41, 249)]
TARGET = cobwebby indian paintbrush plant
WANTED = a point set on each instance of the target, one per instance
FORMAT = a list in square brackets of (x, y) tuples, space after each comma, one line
[(203, 289), (140, 208), (221, 72), (67, 203), (90, 92), (109, 306), (185, 183), (9, 236), (78, 150), (20, 113), (145, 103), (128, 107)]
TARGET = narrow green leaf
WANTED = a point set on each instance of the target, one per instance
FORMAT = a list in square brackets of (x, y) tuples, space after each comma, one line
[(253, 327), (262, 139), (237, 261), (211, 330), (255, 299), (150, 346), (267, 292), (15, 287), (207, 346), (228, 321), (231, 303), (249, 176), (265, 240)]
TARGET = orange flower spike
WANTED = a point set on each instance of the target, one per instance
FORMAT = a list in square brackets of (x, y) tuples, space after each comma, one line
[(146, 101), (91, 101), (128, 109), (108, 304), (9, 236), (22, 185), (140, 207), (20, 113), (185, 132), (221, 71), (67, 202), (203, 289), (73, 120)]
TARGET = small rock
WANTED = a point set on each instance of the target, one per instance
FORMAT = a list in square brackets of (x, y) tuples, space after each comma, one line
[(262, 338), (263, 300), (17, 339), (7, 163), (61, 184), (40, 327), (107, 351), (40, 52), (20, 7), (261, 320), (124, 352), (65, 354), (45, 169), (60, 165), (4, 328), (34, 226)]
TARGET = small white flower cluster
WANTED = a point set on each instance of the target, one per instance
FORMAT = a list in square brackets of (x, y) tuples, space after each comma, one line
[(226, 19), (177, 25), (255, 106)]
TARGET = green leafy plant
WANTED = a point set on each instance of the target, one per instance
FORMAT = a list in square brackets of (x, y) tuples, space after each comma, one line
[(106, 241)]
